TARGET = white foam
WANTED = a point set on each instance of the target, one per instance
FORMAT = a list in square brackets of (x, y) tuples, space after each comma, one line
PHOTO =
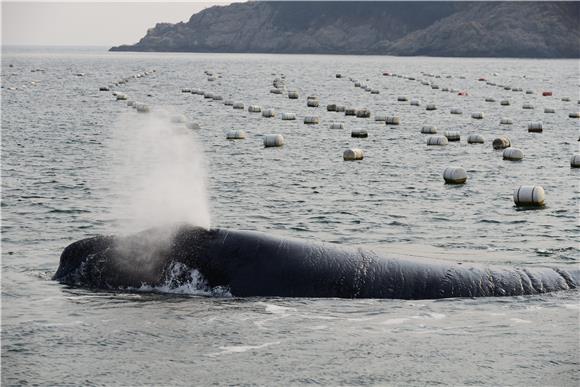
[(241, 348)]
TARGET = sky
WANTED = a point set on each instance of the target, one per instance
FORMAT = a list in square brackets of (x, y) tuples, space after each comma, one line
[(84, 23)]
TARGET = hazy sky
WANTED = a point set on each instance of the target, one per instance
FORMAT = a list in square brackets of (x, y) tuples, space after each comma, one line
[(89, 23)]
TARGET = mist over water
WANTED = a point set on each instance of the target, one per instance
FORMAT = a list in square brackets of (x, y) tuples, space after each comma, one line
[(159, 173)]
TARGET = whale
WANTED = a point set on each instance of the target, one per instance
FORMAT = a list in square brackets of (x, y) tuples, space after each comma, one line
[(254, 264)]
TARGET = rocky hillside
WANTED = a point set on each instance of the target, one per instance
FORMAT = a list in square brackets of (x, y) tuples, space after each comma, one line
[(488, 29)]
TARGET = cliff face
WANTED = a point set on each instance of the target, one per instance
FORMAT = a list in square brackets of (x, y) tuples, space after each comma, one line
[(511, 29)]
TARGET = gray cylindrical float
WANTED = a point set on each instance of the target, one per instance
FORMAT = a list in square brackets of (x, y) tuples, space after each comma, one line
[(228, 102), (238, 105), (527, 106), (311, 120), (437, 140), (529, 196), (381, 117), (506, 121), (429, 129), (431, 107), (513, 154), (254, 108), (331, 107), (268, 113), (393, 120), (293, 94), (575, 161), (475, 139), (360, 133), (311, 102), (236, 135), (549, 110), (455, 111), (477, 115), (276, 91), (353, 154), (452, 135), (504, 102), (273, 140), (340, 108), (535, 127), (217, 97), (141, 107), (566, 99), (349, 112), (501, 142), (288, 116), (402, 99), (489, 99), (363, 113), (337, 125), (454, 175), (415, 102), (574, 115)]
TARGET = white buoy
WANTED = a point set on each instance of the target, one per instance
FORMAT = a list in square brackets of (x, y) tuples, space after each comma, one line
[(475, 139), (381, 117), (549, 110), (452, 135), (268, 113), (238, 105), (501, 142), (192, 125), (273, 140), (350, 112), (477, 115), (431, 107), (276, 91), (505, 121), (337, 125), (393, 120), (353, 154), (363, 113), (575, 161), (454, 175), (566, 99), (236, 135), (489, 99), (208, 95), (437, 140), (415, 102), (331, 107), (429, 129), (527, 106), (311, 120), (529, 92), (340, 108), (455, 111), (310, 102), (228, 102), (121, 97), (513, 154), (374, 91), (402, 99), (288, 116), (293, 94), (529, 196), (535, 127), (360, 133), (254, 109), (504, 102), (574, 115)]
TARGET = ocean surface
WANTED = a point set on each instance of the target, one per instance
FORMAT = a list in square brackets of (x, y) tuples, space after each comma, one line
[(76, 163)]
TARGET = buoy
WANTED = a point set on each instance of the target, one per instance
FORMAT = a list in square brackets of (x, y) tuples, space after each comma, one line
[(393, 120), (363, 113), (452, 135), (288, 116), (504, 102), (268, 113), (353, 154), (535, 127), (104, 88), (402, 99), (121, 97), (527, 106), (456, 111), (513, 154), (415, 102), (360, 133), (331, 107), (381, 117), (428, 129), (549, 110), (340, 108), (141, 107), (477, 116), (130, 103), (310, 102), (547, 93), (293, 94), (192, 125), (374, 91), (475, 139), (566, 99), (311, 120), (273, 140), (238, 105), (254, 108), (350, 112), (276, 91), (431, 107), (505, 121), (575, 161), (337, 125), (454, 175), (574, 115), (437, 140), (357, 84), (434, 87), (217, 97), (529, 196), (501, 142), (489, 99), (228, 102), (207, 95), (236, 135), (338, 75)]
